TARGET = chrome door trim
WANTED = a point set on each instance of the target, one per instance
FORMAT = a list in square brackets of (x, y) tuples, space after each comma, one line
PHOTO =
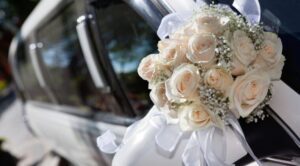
[(89, 53), (13, 49), (287, 129), (281, 161), (104, 117)]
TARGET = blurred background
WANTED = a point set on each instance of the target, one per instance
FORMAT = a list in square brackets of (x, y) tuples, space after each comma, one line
[(12, 14), (21, 148)]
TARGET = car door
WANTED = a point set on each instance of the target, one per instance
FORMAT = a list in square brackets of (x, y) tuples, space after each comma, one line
[(69, 75), (62, 95)]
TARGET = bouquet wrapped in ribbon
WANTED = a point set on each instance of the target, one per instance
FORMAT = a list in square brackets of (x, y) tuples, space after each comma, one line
[(212, 67)]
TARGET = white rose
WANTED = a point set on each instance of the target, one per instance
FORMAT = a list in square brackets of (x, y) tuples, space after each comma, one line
[(243, 47), (165, 43), (183, 82), (201, 48), (193, 117), (146, 67), (237, 67), (158, 94), (248, 91), (209, 24), (219, 79), (173, 55), (183, 33), (270, 56), (275, 71)]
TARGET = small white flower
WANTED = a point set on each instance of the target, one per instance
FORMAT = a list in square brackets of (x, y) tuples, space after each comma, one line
[(201, 48), (183, 82), (248, 91), (243, 48)]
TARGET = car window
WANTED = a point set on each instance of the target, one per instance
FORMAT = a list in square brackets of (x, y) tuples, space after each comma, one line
[(32, 88), (286, 16), (65, 65), (127, 38)]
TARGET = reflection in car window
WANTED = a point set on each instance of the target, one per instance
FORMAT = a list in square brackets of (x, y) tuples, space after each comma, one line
[(32, 88), (128, 39), (287, 13), (65, 65)]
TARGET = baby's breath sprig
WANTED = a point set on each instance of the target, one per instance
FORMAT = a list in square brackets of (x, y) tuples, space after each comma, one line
[(159, 77), (214, 100), (255, 33), (223, 53), (201, 69), (176, 105)]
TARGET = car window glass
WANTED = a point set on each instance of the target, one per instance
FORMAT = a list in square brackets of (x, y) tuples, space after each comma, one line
[(127, 38), (32, 88), (65, 66)]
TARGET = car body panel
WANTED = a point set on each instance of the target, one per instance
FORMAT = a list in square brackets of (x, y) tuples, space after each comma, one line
[(69, 135)]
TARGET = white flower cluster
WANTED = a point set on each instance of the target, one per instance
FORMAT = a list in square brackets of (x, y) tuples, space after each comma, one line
[(214, 64)]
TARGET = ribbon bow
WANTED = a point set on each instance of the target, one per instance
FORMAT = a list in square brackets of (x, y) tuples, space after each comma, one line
[(171, 22)]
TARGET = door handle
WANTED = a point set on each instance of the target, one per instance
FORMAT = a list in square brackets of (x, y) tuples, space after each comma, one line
[(89, 52)]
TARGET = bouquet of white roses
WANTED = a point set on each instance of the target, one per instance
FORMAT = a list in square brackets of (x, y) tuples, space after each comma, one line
[(212, 69), (214, 64)]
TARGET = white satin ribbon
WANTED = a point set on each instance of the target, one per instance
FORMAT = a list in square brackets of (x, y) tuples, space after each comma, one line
[(205, 147), (250, 9), (167, 139), (233, 122), (107, 141)]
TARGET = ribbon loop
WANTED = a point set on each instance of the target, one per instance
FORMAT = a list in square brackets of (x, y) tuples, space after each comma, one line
[(167, 139), (192, 154), (106, 142), (171, 22)]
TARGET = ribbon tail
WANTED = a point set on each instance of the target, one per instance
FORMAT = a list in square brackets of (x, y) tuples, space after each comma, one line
[(193, 154), (240, 135), (214, 145)]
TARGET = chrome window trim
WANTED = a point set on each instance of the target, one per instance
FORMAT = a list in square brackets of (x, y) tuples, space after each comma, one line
[(89, 53), (151, 12)]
